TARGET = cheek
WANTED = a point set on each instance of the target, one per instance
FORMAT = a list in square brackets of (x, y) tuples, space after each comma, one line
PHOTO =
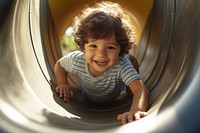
[(114, 58), (88, 56)]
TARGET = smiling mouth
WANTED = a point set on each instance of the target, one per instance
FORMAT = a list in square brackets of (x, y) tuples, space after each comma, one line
[(101, 63)]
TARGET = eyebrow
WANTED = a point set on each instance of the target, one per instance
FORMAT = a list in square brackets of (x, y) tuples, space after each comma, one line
[(112, 43)]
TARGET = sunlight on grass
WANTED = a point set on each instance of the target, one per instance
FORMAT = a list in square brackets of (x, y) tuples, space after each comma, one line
[(67, 43)]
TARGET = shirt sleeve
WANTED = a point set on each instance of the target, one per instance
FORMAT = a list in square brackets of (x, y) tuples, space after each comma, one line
[(67, 61), (128, 72)]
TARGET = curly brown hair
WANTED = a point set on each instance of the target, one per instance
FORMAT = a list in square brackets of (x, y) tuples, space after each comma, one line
[(101, 22)]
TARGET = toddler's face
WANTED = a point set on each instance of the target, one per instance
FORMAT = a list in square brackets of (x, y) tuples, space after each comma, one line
[(101, 54)]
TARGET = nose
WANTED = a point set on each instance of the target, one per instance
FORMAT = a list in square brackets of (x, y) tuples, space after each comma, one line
[(101, 52)]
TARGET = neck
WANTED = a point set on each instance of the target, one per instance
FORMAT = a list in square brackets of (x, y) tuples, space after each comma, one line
[(93, 72)]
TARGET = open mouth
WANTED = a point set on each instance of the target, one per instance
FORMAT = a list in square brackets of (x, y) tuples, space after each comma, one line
[(101, 63)]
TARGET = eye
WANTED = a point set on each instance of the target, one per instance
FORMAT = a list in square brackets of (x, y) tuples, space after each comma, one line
[(92, 45), (111, 48)]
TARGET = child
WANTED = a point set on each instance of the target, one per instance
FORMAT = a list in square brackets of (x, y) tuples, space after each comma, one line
[(104, 34)]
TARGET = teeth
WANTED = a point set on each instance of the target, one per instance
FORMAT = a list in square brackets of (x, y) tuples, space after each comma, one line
[(100, 61)]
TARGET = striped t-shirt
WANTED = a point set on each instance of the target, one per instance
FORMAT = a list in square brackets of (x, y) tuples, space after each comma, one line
[(103, 88)]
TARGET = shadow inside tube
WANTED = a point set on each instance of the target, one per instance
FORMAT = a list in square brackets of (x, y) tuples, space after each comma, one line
[(90, 113)]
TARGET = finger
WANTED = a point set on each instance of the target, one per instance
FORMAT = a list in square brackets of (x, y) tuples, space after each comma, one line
[(144, 114), (123, 119), (119, 117), (137, 116), (68, 95), (65, 95), (57, 90), (61, 92), (130, 118)]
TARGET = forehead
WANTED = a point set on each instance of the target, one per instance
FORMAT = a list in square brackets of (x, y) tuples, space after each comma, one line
[(110, 40)]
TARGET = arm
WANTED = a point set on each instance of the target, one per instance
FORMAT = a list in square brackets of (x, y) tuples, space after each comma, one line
[(62, 84), (139, 103)]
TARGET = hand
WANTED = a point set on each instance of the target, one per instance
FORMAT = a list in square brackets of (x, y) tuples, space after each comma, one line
[(131, 116), (64, 91)]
